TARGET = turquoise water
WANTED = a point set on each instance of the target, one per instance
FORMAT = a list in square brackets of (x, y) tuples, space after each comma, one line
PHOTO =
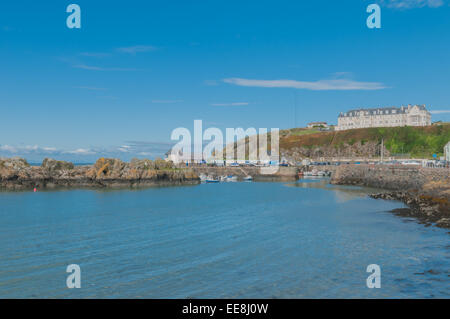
[(227, 240)]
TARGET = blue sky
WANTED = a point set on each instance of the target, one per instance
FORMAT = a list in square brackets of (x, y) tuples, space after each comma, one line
[(137, 70)]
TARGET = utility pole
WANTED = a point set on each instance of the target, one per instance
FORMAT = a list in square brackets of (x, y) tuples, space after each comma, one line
[(382, 149), (295, 109)]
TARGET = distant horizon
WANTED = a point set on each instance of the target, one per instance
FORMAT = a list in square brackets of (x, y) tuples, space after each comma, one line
[(88, 159)]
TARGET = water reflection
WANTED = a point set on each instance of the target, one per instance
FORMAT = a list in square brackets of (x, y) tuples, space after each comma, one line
[(342, 193)]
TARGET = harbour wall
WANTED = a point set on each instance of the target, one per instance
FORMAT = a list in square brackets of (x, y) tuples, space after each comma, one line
[(257, 173), (393, 177)]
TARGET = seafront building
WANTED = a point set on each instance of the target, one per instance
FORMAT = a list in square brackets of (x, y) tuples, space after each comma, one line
[(411, 115)]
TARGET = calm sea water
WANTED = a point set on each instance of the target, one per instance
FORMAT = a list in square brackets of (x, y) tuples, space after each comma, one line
[(228, 240)]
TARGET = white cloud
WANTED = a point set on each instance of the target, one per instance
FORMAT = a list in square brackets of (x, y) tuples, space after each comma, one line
[(27, 149), (8, 148), (411, 4), (125, 152), (440, 111), (137, 49), (321, 85), (124, 148), (230, 104), (81, 151)]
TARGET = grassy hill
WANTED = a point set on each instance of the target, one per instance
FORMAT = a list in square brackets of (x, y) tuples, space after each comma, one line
[(418, 142)]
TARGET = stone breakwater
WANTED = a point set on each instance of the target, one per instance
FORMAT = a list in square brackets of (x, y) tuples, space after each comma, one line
[(426, 191), (17, 174)]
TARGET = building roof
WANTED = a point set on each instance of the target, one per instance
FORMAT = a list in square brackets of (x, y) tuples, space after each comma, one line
[(382, 110)]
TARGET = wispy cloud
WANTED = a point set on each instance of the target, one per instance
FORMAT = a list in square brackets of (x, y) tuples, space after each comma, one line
[(27, 149), (231, 104), (124, 148), (127, 151), (81, 151), (166, 101), (411, 4), (440, 111), (321, 85), (137, 49), (98, 68)]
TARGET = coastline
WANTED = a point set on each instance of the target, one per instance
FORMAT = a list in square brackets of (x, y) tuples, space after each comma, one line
[(426, 191), (16, 174), (423, 208)]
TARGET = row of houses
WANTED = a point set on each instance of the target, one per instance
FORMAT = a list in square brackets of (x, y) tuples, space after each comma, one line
[(178, 158)]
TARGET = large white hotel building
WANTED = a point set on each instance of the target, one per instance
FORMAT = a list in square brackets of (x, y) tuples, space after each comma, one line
[(411, 115)]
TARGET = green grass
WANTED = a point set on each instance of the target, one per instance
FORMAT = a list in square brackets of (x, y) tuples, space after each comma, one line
[(418, 142), (300, 131)]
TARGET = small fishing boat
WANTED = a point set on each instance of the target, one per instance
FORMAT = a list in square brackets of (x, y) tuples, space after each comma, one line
[(231, 178), (309, 174), (248, 178), (211, 179)]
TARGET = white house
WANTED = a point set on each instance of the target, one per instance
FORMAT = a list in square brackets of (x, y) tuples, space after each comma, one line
[(447, 152), (318, 124)]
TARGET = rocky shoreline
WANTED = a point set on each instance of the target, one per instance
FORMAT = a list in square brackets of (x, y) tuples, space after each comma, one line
[(17, 174), (426, 191), (424, 208)]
